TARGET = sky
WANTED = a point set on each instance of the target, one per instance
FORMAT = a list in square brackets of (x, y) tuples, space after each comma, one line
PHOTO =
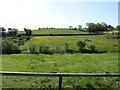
[(56, 13)]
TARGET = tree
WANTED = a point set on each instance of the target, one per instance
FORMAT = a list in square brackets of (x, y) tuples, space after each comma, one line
[(70, 27), (28, 32), (118, 27), (92, 27), (75, 28), (104, 24), (2, 31), (12, 31), (39, 28), (109, 27), (101, 27), (79, 26)]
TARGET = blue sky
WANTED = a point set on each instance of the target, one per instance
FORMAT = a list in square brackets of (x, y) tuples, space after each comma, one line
[(53, 13), (83, 12)]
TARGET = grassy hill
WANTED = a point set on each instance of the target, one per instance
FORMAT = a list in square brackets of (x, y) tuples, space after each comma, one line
[(63, 63), (100, 41)]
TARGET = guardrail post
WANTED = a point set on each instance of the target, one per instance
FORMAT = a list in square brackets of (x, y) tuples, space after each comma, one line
[(60, 83)]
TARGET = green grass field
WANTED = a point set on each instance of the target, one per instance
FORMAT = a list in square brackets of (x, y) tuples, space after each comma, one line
[(94, 63), (63, 63), (100, 41), (66, 63), (55, 31)]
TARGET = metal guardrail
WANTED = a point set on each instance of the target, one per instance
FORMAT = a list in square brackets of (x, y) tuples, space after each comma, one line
[(60, 75)]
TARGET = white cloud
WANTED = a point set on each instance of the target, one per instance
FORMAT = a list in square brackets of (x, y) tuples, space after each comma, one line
[(28, 14)]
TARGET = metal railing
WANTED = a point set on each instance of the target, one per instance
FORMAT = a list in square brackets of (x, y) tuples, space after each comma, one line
[(60, 75)]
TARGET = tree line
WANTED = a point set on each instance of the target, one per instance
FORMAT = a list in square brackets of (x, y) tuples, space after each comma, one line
[(90, 27), (96, 27), (13, 32)]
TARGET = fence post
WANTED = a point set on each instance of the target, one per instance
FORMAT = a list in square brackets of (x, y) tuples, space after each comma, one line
[(60, 83)]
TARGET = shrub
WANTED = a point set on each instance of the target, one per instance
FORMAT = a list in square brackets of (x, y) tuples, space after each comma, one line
[(20, 38), (59, 50), (19, 35), (32, 49), (44, 49), (81, 45), (92, 48), (67, 49), (26, 51), (28, 38), (9, 47)]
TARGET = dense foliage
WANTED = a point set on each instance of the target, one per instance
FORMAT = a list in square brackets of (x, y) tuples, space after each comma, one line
[(92, 27), (28, 32), (9, 47)]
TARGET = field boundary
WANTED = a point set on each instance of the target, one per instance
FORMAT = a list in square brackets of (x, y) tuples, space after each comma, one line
[(60, 75), (63, 34)]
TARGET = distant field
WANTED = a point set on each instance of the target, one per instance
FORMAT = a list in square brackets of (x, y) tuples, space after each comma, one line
[(61, 63), (55, 31), (100, 41)]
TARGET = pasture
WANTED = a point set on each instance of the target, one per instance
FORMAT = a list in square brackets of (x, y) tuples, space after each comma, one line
[(55, 31), (100, 41), (63, 63), (66, 63)]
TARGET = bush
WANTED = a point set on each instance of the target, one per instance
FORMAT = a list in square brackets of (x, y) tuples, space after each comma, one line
[(28, 38), (9, 47), (67, 49), (81, 45), (59, 50), (26, 51), (92, 48), (32, 49), (44, 49)]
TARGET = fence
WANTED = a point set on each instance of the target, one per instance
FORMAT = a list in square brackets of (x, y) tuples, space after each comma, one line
[(60, 75)]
